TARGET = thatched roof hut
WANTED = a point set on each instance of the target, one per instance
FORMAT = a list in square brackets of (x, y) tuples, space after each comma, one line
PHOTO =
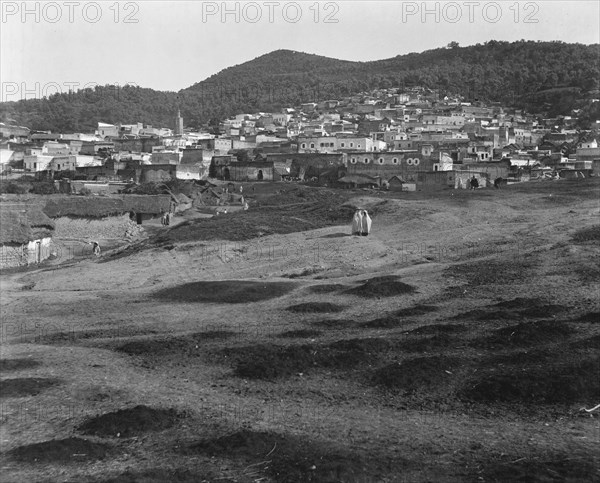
[(22, 225), (84, 207), (102, 207), (147, 204)]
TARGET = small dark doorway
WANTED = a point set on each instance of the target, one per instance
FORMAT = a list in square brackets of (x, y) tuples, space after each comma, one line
[(138, 218), (260, 175), (226, 174)]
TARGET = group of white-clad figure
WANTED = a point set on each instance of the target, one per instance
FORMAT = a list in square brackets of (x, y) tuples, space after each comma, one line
[(361, 223)]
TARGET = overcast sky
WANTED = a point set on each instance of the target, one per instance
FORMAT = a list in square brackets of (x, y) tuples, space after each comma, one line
[(171, 45)]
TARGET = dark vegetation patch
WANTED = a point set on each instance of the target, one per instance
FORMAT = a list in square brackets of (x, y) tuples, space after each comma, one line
[(589, 343), (492, 272), (130, 422), (304, 273), (185, 345), (22, 387), (348, 353), (291, 459), (265, 361), (397, 318), (590, 234), (426, 344), (60, 451), (439, 329), (547, 468), (386, 286), (520, 357), (162, 475), (7, 365), (593, 317), (327, 288), (525, 334), (415, 374), (560, 383), (586, 272), (271, 361), (225, 291), (315, 307), (72, 337), (300, 333), (518, 308)]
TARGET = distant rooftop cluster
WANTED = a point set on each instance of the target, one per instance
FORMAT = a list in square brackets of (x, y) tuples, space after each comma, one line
[(371, 138)]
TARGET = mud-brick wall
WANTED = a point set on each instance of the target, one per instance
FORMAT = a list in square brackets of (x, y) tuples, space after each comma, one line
[(84, 228), (12, 256)]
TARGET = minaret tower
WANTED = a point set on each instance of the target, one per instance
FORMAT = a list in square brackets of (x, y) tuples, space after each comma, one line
[(178, 124)]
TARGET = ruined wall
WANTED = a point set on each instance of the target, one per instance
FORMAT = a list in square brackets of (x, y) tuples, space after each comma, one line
[(12, 256), (83, 228)]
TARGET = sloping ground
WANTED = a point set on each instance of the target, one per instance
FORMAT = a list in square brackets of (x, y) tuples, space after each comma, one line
[(459, 368)]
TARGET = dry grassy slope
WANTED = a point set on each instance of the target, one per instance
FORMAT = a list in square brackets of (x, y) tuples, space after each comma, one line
[(461, 251)]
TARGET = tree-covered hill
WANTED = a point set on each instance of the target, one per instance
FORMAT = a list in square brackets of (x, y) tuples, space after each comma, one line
[(551, 76)]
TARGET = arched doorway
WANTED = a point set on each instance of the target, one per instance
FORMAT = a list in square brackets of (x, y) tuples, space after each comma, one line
[(226, 174), (260, 175)]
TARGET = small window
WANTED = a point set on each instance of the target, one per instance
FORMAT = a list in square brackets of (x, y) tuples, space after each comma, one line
[(409, 161), (312, 145), (366, 160), (358, 146), (303, 145), (395, 160), (343, 145), (351, 145), (416, 161), (353, 160), (380, 160)]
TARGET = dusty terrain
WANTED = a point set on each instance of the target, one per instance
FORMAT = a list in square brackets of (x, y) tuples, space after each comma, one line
[(458, 342)]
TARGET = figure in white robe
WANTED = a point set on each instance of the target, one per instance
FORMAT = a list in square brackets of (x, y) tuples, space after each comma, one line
[(357, 223), (365, 225)]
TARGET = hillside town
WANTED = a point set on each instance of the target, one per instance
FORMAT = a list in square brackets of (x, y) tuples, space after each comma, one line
[(132, 174), (388, 139)]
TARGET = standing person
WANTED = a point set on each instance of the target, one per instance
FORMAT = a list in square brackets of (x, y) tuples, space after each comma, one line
[(96, 248), (497, 182), (241, 189), (474, 183), (169, 216), (365, 223), (357, 223)]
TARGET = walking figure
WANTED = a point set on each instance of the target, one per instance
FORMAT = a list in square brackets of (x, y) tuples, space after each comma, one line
[(96, 248)]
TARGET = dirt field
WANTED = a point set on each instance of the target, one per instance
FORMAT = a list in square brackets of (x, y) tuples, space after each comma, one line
[(459, 342)]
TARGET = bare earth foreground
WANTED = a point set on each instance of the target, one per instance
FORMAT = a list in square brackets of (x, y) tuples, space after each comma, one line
[(459, 342)]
